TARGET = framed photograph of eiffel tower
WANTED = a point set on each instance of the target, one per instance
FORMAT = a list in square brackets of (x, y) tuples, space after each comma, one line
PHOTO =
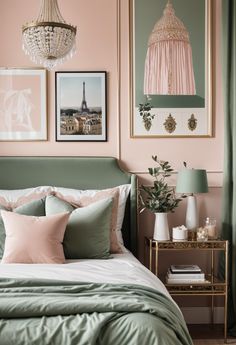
[(81, 113)]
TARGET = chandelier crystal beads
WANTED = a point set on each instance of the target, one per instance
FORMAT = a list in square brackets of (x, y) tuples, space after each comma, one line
[(49, 40)]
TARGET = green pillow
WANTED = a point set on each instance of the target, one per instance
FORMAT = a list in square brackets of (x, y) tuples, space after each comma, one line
[(33, 208), (87, 233)]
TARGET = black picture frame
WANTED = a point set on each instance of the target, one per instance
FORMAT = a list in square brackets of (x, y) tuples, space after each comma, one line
[(81, 106)]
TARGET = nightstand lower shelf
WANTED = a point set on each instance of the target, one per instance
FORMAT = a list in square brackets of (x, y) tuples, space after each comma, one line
[(212, 286)]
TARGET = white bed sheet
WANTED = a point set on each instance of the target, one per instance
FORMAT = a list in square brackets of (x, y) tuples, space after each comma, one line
[(121, 269)]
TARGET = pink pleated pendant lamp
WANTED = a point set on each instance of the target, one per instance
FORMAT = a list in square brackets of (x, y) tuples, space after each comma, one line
[(168, 64)]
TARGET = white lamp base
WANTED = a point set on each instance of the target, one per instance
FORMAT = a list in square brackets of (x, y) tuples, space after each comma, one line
[(191, 213)]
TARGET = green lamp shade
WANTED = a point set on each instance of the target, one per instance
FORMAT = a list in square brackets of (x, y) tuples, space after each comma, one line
[(192, 181)]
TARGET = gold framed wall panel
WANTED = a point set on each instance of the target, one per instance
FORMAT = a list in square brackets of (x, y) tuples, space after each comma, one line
[(179, 115)]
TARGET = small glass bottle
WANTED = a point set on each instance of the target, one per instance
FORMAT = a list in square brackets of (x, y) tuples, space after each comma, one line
[(210, 224), (202, 234)]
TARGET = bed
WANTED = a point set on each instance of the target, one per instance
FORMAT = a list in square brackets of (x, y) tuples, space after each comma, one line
[(85, 301)]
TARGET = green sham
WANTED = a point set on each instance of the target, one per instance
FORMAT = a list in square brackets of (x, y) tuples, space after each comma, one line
[(87, 233)]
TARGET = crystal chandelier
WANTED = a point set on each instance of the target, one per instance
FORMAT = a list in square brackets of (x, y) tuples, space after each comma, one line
[(49, 40)]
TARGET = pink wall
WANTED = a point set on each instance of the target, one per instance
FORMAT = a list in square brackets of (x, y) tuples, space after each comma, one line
[(99, 49), (96, 51)]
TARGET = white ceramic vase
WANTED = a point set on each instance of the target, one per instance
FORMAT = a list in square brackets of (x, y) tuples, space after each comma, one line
[(161, 227)]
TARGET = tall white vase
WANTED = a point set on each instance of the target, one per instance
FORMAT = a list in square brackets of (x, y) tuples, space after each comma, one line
[(161, 227)]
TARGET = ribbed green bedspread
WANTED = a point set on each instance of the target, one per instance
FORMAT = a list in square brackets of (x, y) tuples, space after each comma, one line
[(46, 312)]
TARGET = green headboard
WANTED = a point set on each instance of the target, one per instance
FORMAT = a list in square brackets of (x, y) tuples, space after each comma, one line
[(73, 172)]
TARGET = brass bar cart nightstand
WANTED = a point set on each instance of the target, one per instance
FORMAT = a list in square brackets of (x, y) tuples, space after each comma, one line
[(213, 286)]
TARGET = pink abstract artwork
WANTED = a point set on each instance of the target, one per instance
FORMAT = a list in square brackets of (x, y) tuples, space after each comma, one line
[(22, 105)]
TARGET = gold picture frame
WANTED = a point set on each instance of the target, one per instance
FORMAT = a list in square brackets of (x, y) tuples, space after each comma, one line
[(172, 116)]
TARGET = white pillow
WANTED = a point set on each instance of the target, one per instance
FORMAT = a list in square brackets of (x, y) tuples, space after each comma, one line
[(75, 196), (14, 198)]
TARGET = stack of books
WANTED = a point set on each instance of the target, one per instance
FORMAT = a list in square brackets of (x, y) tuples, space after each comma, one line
[(185, 274)]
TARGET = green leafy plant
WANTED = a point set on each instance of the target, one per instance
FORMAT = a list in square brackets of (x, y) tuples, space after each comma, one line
[(144, 111), (159, 197)]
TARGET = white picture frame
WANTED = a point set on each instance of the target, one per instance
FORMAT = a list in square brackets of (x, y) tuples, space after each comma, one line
[(23, 104)]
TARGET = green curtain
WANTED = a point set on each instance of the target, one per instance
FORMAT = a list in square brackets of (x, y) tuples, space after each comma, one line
[(229, 190)]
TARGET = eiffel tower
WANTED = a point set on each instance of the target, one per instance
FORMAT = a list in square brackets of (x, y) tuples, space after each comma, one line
[(84, 107)]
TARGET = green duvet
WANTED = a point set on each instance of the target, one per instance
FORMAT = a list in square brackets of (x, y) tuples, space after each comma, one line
[(45, 312)]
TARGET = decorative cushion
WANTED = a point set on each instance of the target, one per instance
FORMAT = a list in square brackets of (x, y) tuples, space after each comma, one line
[(2, 233), (87, 231), (82, 198), (11, 199), (34, 239), (33, 208)]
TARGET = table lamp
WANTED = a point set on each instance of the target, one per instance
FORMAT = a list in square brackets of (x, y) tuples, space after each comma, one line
[(192, 181)]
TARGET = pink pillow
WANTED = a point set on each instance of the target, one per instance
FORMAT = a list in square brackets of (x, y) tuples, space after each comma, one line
[(14, 198), (34, 240)]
